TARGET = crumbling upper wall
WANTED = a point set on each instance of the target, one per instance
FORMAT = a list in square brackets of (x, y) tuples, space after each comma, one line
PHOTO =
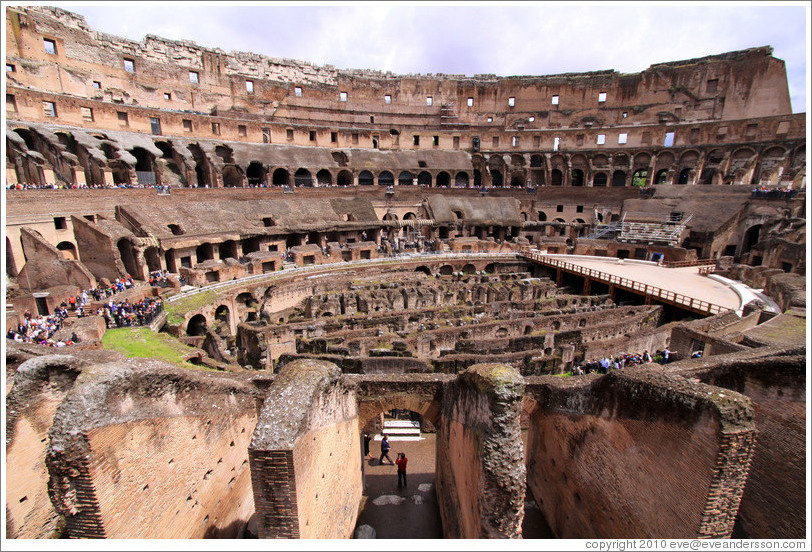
[(638, 453), (46, 266)]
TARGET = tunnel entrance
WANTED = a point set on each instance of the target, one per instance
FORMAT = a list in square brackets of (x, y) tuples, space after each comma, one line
[(410, 512)]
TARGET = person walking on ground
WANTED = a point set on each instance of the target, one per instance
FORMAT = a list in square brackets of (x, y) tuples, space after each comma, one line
[(385, 450), (367, 439), (401, 462)]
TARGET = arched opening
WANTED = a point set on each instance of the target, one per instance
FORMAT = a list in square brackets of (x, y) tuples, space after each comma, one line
[(409, 424), (536, 160), (68, 250), (255, 174), (424, 269), (443, 179), (225, 153), (517, 182), (405, 178), (153, 258), (250, 245), (424, 179), (169, 257), (196, 326), (477, 178), (232, 177), (661, 176), (706, 177), (469, 269), (344, 179), (461, 180), (203, 169), (577, 177), (204, 252), (228, 250), (446, 270), (496, 178), (751, 238), (684, 176), (281, 177), (324, 178), (303, 179), (490, 268), (618, 179), (365, 178), (556, 178), (600, 179), (639, 178), (127, 253), (542, 216), (386, 178), (222, 314), (502, 333)]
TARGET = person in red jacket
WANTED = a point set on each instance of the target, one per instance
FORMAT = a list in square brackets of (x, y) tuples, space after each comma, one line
[(401, 462)]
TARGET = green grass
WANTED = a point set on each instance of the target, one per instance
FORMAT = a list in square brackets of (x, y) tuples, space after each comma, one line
[(144, 343)]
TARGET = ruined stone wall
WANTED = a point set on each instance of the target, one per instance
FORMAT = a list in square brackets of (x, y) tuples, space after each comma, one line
[(40, 384), (306, 455), (774, 502), (96, 249), (154, 451), (637, 453), (480, 473)]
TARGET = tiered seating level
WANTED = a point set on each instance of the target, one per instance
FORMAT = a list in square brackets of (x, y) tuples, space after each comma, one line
[(668, 232)]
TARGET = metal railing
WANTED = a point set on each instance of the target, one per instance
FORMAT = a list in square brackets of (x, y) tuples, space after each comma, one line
[(628, 284)]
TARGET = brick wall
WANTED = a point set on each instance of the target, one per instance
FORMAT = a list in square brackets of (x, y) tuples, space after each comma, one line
[(638, 454), (306, 455)]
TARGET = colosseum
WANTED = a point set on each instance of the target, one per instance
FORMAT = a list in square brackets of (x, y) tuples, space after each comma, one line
[(576, 302)]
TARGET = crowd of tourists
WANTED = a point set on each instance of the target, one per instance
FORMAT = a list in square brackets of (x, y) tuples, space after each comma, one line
[(772, 193), (608, 363), (124, 314), (41, 329)]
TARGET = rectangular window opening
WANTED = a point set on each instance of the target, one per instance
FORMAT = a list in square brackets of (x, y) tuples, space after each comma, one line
[(312, 135), (601, 97), (10, 68), (470, 102), (49, 109), (249, 86), (514, 141), (123, 119), (669, 139), (167, 96), (289, 133), (187, 125), (194, 77), (334, 137), (215, 128), (416, 140), (49, 45), (97, 85), (556, 142), (601, 139), (87, 113), (129, 65), (297, 91), (511, 101), (242, 130), (342, 96), (456, 142), (355, 138), (429, 100), (387, 99), (11, 103), (712, 85), (496, 141), (155, 125), (622, 138), (536, 141), (266, 135), (555, 100), (60, 223)]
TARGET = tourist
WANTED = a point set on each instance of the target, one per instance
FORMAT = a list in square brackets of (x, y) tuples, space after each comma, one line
[(385, 450), (666, 353), (367, 439), (646, 357), (401, 462)]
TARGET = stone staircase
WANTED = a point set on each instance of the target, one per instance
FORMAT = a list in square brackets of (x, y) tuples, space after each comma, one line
[(401, 430)]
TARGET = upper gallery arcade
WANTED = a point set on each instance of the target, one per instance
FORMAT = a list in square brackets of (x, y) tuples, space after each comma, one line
[(88, 108)]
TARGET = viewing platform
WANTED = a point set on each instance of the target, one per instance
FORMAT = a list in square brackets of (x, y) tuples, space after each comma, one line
[(686, 287)]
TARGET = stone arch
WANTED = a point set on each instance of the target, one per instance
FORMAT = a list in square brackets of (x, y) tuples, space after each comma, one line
[(405, 178), (497, 181), (225, 153), (469, 269), (542, 216), (68, 250), (642, 159), (232, 176), (490, 268), (126, 251), (424, 269), (577, 177), (443, 180), (303, 179), (424, 179), (600, 161), (556, 178), (461, 179), (684, 176), (501, 332), (344, 178), (324, 178), (618, 179), (204, 169), (228, 249), (536, 161), (152, 256), (600, 179), (280, 177), (661, 176), (426, 406), (386, 178), (197, 325), (517, 181), (255, 173), (366, 178), (223, 314), (707, 175), (640, 178), (517, 160), (446, 270)]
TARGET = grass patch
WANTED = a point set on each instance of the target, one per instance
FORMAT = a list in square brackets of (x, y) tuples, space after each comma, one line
[(144, 343)]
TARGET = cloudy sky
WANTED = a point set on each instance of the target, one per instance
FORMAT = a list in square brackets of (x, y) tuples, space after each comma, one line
[(509, 38)]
